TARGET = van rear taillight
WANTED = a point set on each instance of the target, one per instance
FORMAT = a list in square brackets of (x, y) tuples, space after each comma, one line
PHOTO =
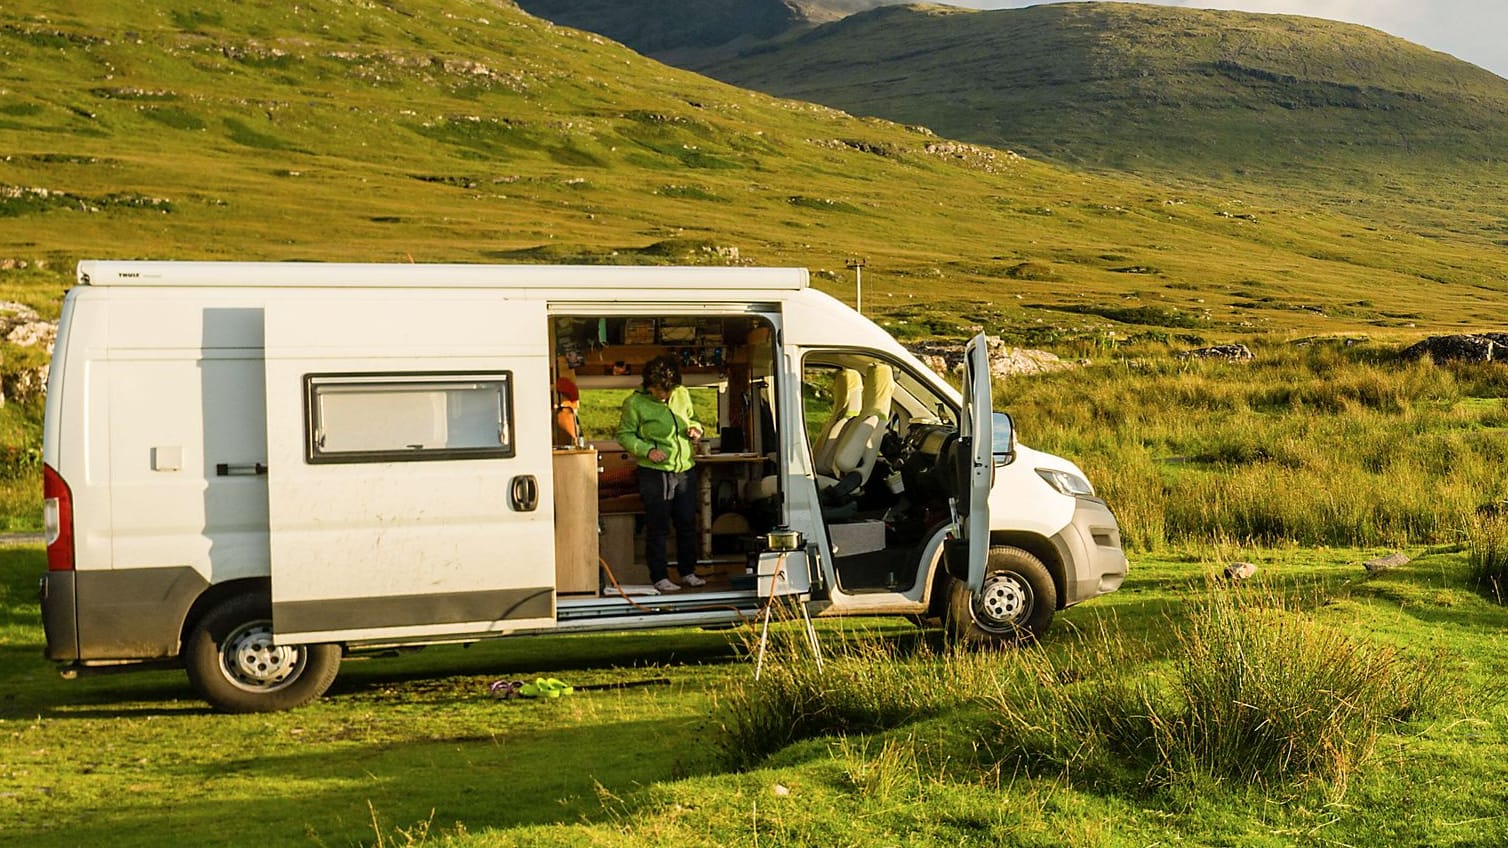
[(57, 520)]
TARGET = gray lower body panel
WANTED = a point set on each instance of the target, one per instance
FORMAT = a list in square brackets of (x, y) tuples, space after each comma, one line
[(413, 610), (139, 613), (134, 614)]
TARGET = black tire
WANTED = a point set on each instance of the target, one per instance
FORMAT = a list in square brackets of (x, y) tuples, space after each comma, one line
[(1016, 605), (233, 664)]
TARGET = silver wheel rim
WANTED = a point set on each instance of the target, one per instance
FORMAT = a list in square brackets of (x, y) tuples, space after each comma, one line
[(1003, 604), (250, 660)]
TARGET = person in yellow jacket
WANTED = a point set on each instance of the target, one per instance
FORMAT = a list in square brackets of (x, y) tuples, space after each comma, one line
[(658, 426)]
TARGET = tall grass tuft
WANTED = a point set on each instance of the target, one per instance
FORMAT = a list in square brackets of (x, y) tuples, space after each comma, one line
[(20, 467), (422, 832), (21, 502), (1266, 694), (1080, 713), (864, 686), (1258, 693), (1487, 555)]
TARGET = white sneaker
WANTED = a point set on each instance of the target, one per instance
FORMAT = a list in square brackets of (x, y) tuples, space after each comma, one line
[(693, 580), (665, 584)]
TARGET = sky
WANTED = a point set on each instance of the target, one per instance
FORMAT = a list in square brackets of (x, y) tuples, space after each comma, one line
[(1473, 30)]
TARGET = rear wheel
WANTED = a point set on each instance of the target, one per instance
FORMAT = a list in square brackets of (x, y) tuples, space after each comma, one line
[(1016, 603), (235, 666)]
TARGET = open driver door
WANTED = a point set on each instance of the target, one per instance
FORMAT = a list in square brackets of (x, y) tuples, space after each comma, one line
[(968, 553)]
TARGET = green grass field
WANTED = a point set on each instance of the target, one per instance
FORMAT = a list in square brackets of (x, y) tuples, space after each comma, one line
[(412, 750)]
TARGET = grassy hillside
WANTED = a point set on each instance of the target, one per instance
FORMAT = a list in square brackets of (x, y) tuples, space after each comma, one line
[(449, 130)]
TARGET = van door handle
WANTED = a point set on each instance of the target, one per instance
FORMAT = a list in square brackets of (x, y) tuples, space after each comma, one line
[(240, 469), (524, 493)]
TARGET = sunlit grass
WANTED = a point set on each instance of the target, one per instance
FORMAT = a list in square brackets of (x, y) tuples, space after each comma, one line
[(1316, 445), (20, 467)]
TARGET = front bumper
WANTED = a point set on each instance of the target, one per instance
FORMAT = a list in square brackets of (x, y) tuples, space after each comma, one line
[(1090, 550)]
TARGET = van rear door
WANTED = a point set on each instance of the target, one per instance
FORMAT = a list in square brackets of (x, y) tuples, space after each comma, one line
[(408, 466)]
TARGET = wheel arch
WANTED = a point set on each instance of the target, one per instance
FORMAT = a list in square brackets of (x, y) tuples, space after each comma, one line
[(1043, 549), (218, 594), (1038, 546)]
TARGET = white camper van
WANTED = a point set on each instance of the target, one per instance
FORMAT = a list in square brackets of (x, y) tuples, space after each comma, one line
[(255, 469)]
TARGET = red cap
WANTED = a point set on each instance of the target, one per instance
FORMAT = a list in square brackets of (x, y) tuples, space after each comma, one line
[(566, 388)]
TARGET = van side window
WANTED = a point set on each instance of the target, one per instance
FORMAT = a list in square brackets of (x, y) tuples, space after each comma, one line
[(408, 417)]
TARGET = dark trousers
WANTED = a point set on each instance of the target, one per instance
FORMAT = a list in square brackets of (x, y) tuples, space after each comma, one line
[(669, 498)]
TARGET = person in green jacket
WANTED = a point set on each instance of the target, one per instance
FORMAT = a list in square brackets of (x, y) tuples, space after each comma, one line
[(659, 428)]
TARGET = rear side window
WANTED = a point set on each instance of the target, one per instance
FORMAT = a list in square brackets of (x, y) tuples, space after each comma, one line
[(408, 417)]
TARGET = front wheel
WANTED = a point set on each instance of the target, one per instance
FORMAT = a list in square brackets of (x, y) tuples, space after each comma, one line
[(234, 665), (1015, 605)]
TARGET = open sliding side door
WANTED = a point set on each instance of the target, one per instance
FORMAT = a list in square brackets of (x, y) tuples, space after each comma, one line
[(408, 466)]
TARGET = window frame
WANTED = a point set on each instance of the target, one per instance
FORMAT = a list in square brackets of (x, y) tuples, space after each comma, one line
[(314, 382), (907, 379)]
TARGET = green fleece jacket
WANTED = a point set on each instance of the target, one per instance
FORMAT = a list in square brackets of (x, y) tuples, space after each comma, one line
[(647, 423)]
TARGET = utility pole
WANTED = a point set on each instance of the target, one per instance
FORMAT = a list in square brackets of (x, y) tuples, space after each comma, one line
[(856, 264)]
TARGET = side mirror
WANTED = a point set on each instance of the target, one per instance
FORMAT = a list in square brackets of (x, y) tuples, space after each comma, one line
[(1003, 430)]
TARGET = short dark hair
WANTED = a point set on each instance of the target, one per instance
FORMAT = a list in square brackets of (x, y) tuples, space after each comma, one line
[(662, 372)]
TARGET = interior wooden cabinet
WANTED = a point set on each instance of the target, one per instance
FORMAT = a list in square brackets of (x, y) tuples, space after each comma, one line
[(576, 530)]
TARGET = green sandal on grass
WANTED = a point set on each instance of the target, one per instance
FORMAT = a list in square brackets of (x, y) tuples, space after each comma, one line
[(545, 688)]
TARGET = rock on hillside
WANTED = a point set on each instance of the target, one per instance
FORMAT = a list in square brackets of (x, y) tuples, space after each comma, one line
[(1472, 347), (1005, 361), (20, 326), (1234, 352)]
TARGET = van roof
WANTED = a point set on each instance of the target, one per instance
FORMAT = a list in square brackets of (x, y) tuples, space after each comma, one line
[(401, 275)]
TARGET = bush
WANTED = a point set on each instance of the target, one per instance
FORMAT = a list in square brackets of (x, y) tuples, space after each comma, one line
[(20, 468), (19, 461), (1083, 714)]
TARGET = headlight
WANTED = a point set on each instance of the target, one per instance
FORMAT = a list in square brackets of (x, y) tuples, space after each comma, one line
[(1066, 482)]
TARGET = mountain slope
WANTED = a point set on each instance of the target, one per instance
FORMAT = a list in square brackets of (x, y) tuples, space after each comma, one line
[(663, 28), (675, 24), (1151, 88), (465, 131)]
